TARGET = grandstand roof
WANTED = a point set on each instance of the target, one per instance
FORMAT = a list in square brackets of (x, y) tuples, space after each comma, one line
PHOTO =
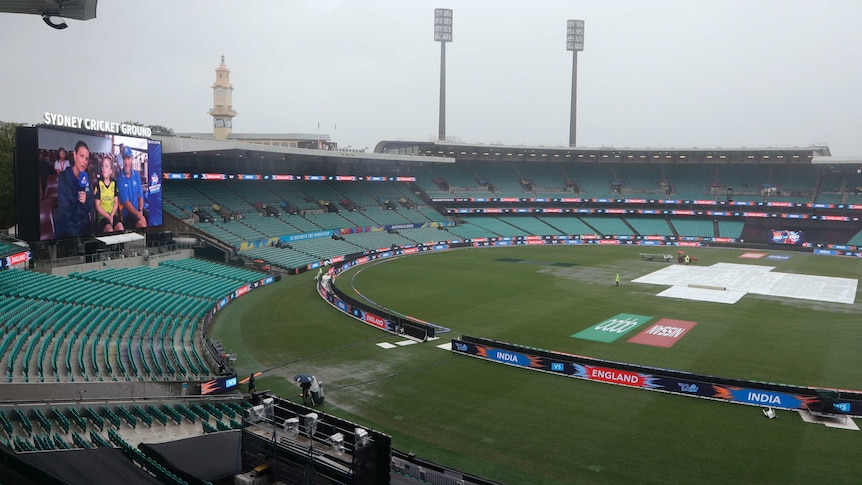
[(837, 161), (262, 136), (188, 151), (74, 9), (796, 154)]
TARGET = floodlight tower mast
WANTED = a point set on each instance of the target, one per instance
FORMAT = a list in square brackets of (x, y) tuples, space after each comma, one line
[(442, 34), (574, 43)]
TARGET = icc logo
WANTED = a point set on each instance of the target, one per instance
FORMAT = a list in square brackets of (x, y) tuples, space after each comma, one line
[(460, 347)]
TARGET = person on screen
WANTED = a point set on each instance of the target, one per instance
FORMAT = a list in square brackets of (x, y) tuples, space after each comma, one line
[(131, 193), (74, 199), (107, 200), (61, 163)]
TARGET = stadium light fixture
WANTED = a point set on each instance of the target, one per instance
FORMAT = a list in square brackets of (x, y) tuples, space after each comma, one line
[(574, 43), (442, 34), (443, 24), (575, 35)]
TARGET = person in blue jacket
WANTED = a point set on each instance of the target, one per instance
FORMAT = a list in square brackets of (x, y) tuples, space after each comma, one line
[(74, 197), (131, 193)]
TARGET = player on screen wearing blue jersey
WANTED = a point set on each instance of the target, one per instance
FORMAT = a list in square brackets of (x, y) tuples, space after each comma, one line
[(131, 193)]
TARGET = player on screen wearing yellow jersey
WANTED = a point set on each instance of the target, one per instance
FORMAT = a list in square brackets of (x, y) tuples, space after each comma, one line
[(108, 203)]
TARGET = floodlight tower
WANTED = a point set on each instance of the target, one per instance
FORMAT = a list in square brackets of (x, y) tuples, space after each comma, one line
[(442, 34), (574, 43)]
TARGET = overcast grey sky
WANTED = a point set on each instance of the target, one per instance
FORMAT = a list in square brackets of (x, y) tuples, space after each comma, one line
[(653, 73)]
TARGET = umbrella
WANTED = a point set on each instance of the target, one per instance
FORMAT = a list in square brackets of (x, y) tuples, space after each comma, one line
[(303, 378)]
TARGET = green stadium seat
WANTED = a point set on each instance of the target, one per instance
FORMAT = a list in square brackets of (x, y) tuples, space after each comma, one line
[(111, 416), (200, 412), (4, 421), (43, 420), (60, 443), (127, 416), (186, 412), (78, 419), (141, 413), (157, 414), (98, 440), (172, 413), (97, 420), (25, 422), (208, 406), (208, 428), (61, 420), (80, 441)]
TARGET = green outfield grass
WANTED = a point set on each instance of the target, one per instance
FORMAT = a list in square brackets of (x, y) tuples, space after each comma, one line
[(519, 426)]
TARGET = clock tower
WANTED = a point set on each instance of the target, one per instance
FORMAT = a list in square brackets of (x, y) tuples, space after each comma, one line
[(222, 111)]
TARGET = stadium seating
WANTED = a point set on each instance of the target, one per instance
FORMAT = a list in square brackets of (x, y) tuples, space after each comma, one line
[(544, 177), (502, 177), (496, 226), (798, 179), (730, 228), (431, 214), (686, 226), (593, 180), (650, 226), (690, 181), (269, 226), (185, 195), (568, 225), (426, 235), (325, 248), (470, 231), (302, 196), (641, 180), (456, 175), (529, 225), (117, 324), (608, 225), (856, 240), (327, 220), (384, 217), (377, 239)]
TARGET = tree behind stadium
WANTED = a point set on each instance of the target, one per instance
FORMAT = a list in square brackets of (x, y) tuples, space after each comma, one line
[(7, 182)]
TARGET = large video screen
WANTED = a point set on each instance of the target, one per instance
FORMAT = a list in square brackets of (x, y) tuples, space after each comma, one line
[(92, 184), (787, 236)]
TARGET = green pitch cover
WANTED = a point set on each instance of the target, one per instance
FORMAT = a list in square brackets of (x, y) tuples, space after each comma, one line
[(613, 328)]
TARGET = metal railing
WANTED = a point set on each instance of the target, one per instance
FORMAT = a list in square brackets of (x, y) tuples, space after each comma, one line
[(47, 264)]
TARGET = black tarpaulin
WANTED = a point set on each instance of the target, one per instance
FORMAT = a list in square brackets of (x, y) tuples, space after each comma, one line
[(99, 466), (207, 458)]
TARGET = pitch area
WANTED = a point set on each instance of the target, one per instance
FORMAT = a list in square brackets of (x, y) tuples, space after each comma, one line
[(518, 426)]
